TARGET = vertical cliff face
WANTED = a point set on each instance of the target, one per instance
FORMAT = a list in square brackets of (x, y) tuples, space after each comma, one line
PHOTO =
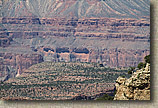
[(14, 64), (137, 87)]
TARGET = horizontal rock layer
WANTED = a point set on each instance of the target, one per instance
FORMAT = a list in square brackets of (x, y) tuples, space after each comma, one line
[(114, 42)]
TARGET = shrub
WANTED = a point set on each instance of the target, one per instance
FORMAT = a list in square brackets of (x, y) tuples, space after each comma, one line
[(140, 65), (123, 76), (147, 59), (131, 70), (106, 97)]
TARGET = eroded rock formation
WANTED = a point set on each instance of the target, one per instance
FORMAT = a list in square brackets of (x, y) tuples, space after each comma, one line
[(137, 87)]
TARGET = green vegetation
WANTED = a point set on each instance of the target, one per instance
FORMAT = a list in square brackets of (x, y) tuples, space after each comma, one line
[(106, 97), (147, 59), (123, 76), (131, 70), (140, 65), (64, 79)]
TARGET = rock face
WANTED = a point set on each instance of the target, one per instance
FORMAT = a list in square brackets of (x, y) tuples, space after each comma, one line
[(137, 87), (109, 57), (14, 64), (4, 37), (114, 42)]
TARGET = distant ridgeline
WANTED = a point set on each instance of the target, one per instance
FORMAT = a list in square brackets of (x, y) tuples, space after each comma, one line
[(76, 8)]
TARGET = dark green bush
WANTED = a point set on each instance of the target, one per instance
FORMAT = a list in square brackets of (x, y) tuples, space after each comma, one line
[(140, 65), (106, 97), (131, 70), (147, 59)]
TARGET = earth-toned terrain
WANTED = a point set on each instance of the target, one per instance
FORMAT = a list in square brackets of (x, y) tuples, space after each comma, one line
[(76, 8), (76, 30), (60, 81), (114, 34), (137, 87)]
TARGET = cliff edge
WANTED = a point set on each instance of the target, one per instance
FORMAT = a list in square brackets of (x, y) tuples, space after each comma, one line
[(137, 87)]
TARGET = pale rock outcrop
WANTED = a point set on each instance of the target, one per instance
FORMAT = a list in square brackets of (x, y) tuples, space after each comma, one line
[(137, 87)]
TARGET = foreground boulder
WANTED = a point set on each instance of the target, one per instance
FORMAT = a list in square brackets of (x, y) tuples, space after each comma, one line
[(137, 87)]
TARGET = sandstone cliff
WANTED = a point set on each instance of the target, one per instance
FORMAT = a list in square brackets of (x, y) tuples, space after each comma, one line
[(137, 87)]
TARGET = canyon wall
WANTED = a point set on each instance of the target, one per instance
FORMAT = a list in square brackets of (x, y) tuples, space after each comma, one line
[(116, 34), (113, 42)]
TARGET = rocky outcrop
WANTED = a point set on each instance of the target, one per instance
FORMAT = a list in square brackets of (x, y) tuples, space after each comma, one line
[(137, 87)]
